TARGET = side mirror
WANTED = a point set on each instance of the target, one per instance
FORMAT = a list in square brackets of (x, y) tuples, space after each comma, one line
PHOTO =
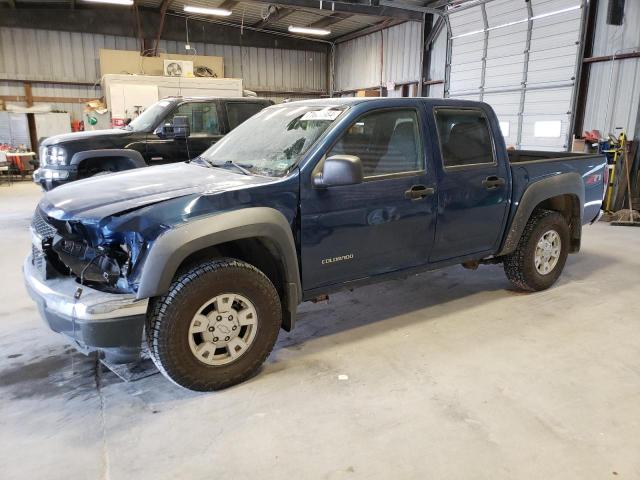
[(339, 170), (178, 128), (181, 128)]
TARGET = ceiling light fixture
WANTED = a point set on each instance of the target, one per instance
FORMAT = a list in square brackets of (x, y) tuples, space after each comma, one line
[(309, 31), (218, 12), (112, 2)]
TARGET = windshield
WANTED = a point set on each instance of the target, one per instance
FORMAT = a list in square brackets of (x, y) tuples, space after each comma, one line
[(150, 117), (274, 139)]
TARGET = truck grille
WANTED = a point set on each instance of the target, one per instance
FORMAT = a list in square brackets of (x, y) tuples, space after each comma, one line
[(41, 227), (42, 232), (38, 259)]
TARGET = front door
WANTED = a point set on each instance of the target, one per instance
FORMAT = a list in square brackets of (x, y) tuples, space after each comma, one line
[(205, 131), (473, 186), (383, 224)]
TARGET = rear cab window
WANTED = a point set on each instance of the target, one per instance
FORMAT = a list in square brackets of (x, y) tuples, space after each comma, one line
[(238, 112), (464, 137)]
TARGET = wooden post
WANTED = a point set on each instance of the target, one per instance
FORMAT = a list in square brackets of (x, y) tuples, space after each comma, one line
[(28, 94), (31, 120)]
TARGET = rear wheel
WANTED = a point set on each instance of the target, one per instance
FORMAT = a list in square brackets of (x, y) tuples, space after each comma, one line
[(216, 325), (539, 258)]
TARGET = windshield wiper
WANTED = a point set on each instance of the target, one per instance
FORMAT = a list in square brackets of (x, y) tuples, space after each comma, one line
[(242, 167)]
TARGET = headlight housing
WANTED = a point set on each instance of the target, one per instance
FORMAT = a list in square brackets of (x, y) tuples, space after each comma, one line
[(53, 155)]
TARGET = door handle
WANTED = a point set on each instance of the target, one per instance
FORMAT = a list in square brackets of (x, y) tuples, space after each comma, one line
[(493, 182), (418, 192)]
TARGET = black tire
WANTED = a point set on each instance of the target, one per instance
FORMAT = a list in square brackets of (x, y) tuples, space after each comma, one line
[(170, 316), (520, 264)]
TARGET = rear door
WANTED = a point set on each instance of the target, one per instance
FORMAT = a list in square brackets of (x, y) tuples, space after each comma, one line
[(473, 185), (384, 223)]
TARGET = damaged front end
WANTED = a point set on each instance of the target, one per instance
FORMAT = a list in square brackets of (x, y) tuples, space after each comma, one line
[(80, 275), (83, 250)]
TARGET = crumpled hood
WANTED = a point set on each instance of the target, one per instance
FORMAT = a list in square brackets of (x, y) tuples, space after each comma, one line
[(84, 136), (106, 195)]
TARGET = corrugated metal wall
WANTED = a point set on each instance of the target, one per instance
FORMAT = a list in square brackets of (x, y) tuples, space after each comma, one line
[(74, 57), (391, 55), (614, 87)]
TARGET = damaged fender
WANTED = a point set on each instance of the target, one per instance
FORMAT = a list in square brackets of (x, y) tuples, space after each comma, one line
[(172, 247)]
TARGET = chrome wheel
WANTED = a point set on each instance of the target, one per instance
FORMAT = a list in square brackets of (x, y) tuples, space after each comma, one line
[(547, 252), (223, 329)]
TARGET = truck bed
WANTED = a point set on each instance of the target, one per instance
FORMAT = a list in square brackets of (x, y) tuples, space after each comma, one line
[(529, 166), (519, 156)]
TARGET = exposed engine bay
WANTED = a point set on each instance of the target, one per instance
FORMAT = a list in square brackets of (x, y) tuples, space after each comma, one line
[(91, 265), (60, 249)]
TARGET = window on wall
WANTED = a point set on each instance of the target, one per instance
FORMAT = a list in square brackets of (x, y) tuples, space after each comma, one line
[(547, 128), (504, 128), (386, 142), (203, 117), (465, 137)]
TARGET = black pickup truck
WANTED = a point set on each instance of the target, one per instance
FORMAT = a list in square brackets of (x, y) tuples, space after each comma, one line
[(210, 258), (147, 140)]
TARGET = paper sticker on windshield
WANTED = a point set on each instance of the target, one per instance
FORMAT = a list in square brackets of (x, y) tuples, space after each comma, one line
[(321, 115)]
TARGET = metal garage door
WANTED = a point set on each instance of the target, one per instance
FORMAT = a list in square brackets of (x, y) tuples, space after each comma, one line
[(521, 58)]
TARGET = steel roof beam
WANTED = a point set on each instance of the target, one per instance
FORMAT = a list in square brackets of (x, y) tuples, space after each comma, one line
[(280, 14), (330, 20), (399, 13), (118, 21), (228, 4)]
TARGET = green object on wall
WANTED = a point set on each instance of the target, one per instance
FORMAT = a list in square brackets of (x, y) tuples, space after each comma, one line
[(93, 120)]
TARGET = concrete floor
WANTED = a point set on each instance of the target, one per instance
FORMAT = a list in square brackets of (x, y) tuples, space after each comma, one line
[(449, 375)]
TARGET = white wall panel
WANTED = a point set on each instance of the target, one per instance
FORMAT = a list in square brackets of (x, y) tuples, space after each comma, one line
[(613, 97), (437, 64)]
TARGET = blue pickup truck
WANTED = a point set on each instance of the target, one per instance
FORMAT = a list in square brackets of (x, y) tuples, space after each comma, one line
[(209, 259)]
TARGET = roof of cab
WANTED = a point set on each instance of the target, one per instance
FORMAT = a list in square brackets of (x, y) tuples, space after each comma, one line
[(207, 98), (344, 101)]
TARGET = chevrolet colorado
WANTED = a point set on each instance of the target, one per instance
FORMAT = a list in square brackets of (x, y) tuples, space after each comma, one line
[(208, 259)]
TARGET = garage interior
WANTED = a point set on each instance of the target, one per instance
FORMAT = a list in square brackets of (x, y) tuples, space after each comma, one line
[(446, 374)]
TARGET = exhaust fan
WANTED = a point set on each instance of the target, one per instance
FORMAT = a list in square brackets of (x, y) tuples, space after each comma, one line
[(178, 68)]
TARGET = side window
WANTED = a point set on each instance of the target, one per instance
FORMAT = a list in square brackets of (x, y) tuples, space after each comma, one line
[(386, 141), (238, 112), (465, 138), (203, 117)]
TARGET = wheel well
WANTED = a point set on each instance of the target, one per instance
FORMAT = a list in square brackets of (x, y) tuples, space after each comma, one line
[(262, 253), (91, 166), (568, 205)]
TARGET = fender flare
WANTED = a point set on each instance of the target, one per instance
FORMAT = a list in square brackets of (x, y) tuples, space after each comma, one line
[(172, 247), (563, 184), (133, 155)]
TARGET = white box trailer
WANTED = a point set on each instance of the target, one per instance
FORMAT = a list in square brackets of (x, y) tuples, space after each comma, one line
[(128, 95)]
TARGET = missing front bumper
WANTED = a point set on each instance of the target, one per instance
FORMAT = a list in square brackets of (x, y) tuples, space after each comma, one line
[(94, 320)]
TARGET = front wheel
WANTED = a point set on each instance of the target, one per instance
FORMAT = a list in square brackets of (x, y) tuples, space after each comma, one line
[(216, 325), (539, 258)]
